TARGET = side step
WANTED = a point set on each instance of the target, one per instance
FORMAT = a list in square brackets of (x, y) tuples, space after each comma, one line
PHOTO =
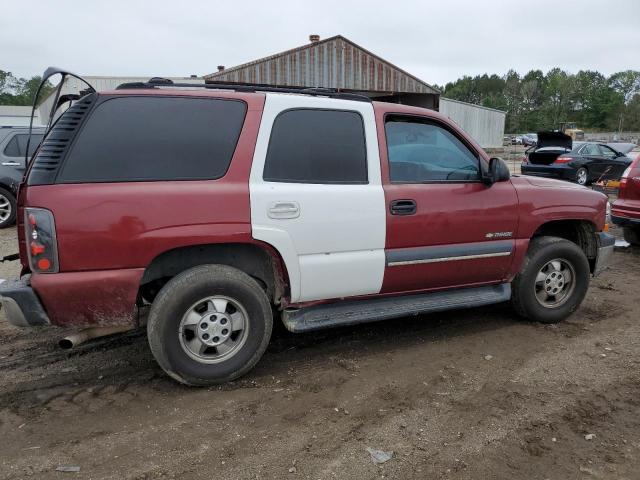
[(360, 311)]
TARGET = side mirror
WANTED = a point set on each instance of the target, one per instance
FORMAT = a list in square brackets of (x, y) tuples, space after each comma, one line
[(498, 171)]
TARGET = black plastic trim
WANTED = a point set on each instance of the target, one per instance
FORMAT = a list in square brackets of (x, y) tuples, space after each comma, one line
[(448, 251), (21, 304), (625, 221), (360, 311)]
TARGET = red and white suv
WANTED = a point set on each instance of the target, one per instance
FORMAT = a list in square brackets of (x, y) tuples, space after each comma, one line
[(222, 206)]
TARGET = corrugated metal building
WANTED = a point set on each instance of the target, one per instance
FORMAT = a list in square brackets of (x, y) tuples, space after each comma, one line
[(339, 63), (485, 125), (16, 116), (335, 62)]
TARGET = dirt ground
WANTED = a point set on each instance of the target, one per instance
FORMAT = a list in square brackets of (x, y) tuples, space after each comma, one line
[(473, 394)]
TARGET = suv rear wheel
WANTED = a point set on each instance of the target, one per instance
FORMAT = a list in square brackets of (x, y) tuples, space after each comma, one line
[(553, 281), (209, 324), (7, 208)]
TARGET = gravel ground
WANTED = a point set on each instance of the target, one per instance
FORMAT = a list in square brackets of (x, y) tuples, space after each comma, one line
[(459, 395)]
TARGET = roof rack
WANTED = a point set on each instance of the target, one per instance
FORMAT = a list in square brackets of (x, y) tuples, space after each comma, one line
[(159, 82)]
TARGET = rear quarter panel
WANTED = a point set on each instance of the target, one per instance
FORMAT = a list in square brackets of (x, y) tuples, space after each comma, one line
[(108, 233)]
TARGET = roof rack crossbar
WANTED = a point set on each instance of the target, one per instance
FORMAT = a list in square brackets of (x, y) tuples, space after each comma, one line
[(157, 82)]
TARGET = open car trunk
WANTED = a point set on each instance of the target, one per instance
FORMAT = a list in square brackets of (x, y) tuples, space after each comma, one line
[(549, 147)]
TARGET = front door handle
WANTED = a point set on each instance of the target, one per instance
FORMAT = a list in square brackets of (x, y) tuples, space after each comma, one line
[(403, 207), (11, 164), (278, 210)]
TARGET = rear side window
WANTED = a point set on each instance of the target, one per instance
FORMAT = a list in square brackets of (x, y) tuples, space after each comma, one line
[(155, 138), (317, 146), (17, 146)]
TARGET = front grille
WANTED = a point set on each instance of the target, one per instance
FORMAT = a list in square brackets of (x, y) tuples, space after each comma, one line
[(56, 145)]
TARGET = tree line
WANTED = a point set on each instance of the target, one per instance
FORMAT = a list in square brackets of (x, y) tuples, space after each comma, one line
[(533, 102), (19, 91), (538, 101)]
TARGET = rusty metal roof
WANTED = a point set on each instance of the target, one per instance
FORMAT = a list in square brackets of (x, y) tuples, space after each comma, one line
[(335, 62)]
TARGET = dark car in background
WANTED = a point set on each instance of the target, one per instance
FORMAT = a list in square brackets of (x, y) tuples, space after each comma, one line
[(13, 146), (557, 156)]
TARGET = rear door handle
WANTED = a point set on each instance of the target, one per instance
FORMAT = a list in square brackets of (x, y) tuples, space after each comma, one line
[(278, 210), (403, 207), (11, 164)]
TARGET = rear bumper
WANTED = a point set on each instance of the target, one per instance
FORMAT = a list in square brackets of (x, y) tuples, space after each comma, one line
[(625, 221), (21, 304), (606, 244)]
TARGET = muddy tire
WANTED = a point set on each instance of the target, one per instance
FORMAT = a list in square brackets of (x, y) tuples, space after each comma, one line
[(7, 208), (209, 324), (553, 280), (632, 235)]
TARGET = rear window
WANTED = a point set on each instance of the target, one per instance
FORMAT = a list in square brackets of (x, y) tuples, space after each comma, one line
[(317, 146), (155, 138), (17, 146)]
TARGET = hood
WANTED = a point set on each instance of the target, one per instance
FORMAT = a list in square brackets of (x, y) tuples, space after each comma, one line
[(554, 139)]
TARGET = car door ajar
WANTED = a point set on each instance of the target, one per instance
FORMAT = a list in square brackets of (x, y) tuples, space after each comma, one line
[(614, 162), (445, 228)]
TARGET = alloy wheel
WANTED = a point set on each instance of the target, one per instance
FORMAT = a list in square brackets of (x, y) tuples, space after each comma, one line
[(213, 329)]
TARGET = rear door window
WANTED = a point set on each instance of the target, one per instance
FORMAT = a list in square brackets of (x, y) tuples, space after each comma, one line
[(317, 146), (155, 138), (17, 146), (607, 152)]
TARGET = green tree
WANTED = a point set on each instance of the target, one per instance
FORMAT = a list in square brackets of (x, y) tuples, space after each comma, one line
[(20, 91)]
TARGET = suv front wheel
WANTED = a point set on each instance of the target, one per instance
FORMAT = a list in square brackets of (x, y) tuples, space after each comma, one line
[(553, 280), (209, 324)]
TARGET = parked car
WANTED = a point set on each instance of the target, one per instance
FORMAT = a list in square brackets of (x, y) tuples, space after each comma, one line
[(625, 211), (557, 156), (13, 146), (516, 140), (220, 207), (529, 139)]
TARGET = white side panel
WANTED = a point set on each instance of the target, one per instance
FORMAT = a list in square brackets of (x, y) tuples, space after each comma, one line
[(331, 237)]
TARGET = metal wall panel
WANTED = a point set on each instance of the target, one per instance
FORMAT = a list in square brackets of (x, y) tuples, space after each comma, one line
[(485, 125)]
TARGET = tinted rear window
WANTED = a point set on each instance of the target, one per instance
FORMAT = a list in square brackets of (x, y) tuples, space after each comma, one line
[(317, 146), (155, 138), (17, 146)]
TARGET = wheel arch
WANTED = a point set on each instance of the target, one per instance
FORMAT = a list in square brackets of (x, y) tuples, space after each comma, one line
[(257, 260), (580, 232)]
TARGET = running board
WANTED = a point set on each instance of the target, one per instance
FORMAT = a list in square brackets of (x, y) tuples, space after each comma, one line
[(360, 311)]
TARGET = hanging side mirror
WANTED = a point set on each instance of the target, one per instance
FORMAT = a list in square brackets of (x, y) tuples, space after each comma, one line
[(498, 172)]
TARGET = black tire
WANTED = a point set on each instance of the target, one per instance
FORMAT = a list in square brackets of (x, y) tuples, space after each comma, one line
[(7, 200), (632, 235), (541, 251), (586, 182), (179, 295)]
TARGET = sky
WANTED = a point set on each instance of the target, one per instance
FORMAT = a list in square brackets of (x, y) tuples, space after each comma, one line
[(437, 41)]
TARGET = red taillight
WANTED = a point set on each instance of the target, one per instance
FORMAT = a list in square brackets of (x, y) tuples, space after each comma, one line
[(40, 233), (525, 160), (563, 160), (625, 177)]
